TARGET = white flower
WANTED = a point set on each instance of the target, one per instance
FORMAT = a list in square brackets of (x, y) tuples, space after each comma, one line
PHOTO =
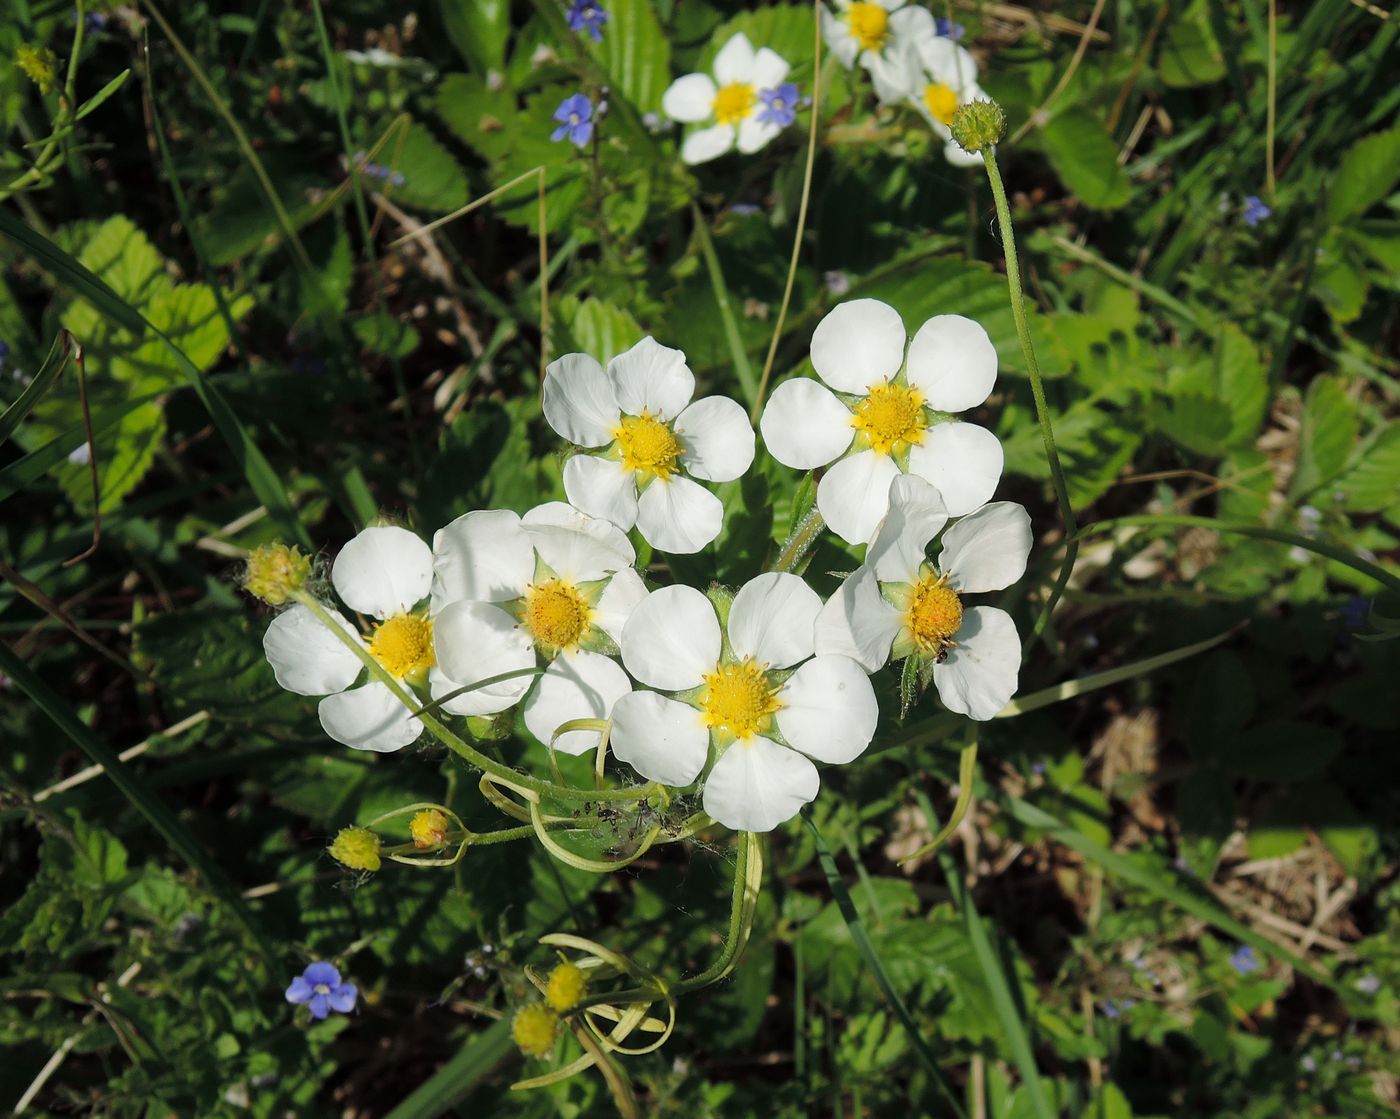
[(639, 409), (939, 77), (897, 604), (883, 423), (507, 591), (383, 572), (877, 33), (765, 719), (730, 99)]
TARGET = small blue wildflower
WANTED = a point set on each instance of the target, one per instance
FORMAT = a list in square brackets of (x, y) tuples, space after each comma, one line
[(320, 988), (779, 105), (743, 209), (1254, 211), (1038, 768), (94, 22), (948, 29), (575, 117), (1114, 1008), (1309, 1063), (1369, 984), (4, 352), (1244, 961), (585, 15), (1356, 611), (837, 282)]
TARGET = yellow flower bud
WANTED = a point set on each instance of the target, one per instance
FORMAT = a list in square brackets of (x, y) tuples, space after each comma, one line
[(274, 572), (357, 848), (566, 987), (428, 828), (40, 64), (535, 1029), (978, 125)]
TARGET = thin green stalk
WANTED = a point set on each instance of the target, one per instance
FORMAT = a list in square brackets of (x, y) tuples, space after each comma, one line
[(800, 541), (1042, 410), (726, 311), (748, 878)]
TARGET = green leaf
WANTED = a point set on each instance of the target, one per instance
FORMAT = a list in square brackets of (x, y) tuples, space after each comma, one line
[(635, 53), (432, 179), (596, 328), (1328, 431), (1086, 159), (102, 94), (1243, 382), (1190, 54), (1373, 483), (43, 380), (124, 453), (479, 29), (481, 1053), (1369, 171), (1281, 750)]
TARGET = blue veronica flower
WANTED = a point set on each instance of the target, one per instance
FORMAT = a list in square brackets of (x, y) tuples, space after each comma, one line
[(585, 15), (320, 988), (1244, 961), (575, 117), (948, 29), (779, 105), (1254, 211)]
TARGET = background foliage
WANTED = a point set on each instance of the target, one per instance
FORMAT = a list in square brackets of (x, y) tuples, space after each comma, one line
[(1176, 893)]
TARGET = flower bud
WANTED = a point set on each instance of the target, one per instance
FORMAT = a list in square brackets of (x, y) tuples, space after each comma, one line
[(275, 572), (40, 64), (357, 848), (978, 125), (566, 987), (535, 1029), (428, 829)]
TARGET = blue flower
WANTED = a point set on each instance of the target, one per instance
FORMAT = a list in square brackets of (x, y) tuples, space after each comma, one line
[(585, 15), (575, 117), (1254, 211), (779, 105), (1369, 984), (1114, 1008), (948, 29), (1244, 960), (319, 986), (4, 352)]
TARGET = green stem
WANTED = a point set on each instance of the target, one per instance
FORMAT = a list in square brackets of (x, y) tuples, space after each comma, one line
[(748, 877), (1042, 411), (800, 540)]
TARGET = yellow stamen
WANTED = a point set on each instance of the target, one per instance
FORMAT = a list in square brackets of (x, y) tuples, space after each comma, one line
[(403, 644), (428, 828), (734, 102), (870, 25), (556, 615), (934, 615), (941, 102), (738, 698), (891, 418), (357, 848), (535, 1029), (648, 445), (566, 986)]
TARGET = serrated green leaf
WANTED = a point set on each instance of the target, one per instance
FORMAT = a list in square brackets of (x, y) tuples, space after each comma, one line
[(432, 179), (1369, 171), (1373, 483), (596, 328), (635, 53), (1328, 432), (479, 29), (1086, 159)]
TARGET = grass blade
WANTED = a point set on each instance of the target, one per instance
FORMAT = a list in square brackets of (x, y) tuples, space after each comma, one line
[(143, 800), (48, 373), (737, 352), (450, 1084)]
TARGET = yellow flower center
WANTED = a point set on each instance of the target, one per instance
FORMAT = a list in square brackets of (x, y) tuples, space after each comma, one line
[(935, 613), (556, 614), (566, 986), (941, 102), (739, 699), (357, 848), (734, 102), (647, 444), (870, 25), (891, 417), (404, 645), (535, 1029)]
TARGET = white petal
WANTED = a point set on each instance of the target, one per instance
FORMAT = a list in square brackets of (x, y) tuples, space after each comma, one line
[(578, 685), (857, 622), (672, 639), (623, 594), (579, 402), (484, 556), (755, 134), (858, 344), (475, 641), (383, 571), (369, 718), (839, 38), (661, 739), (804, 425), (987, 550), (963, 461), (716, 439), (917, 514), (577, 547), (306, 656), (912, 25), (601, 487), (652, 378), (707, 144), (829, 710), (769, 68), (855, 494), (735, 61), (690, 99), (947, 62), (772, 617), (891, 75), (440, 684), (679, 516), (758, 785), (979, 675), (953, 362)]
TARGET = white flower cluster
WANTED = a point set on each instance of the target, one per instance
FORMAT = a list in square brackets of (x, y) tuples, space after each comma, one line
[(739, 695)]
